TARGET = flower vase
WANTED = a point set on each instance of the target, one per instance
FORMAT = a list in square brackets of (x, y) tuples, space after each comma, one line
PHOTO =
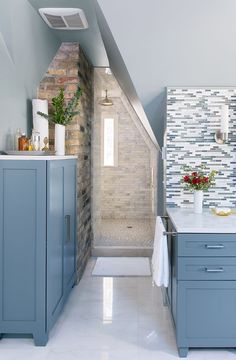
[(59, 139), (198, 200)]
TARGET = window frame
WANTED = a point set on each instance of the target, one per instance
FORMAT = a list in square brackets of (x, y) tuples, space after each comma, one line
[(115, 119)]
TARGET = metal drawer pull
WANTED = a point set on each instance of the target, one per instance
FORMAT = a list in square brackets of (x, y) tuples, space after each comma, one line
[(220, 246), (67, 221), (218, 270), (169, 233)]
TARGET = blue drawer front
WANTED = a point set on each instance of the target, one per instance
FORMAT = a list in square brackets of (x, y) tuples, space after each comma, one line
[(207, 245), (220, 268)]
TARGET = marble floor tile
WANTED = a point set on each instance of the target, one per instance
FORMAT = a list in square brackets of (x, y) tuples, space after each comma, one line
[(118, 318)]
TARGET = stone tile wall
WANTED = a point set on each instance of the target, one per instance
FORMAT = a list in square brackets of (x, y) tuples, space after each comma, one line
[(125, 191), (69, 69), (126, 188), (193, 116)]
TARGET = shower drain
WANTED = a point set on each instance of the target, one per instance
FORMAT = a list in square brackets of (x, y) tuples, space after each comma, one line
[(129, 227)]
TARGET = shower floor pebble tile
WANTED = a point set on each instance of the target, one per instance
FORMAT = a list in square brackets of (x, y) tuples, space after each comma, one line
[(133, 233)]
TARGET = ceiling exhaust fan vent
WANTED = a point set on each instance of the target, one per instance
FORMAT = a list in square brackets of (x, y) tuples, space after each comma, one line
[(64, 18)]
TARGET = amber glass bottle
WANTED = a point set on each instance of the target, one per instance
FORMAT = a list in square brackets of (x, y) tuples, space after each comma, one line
[(23, 143)]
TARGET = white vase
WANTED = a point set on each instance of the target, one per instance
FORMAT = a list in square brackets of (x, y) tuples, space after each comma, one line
[(59, 139), (198, 200)]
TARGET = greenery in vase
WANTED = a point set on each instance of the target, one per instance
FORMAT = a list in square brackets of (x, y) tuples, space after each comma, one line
[(198, 179), (63, 113)]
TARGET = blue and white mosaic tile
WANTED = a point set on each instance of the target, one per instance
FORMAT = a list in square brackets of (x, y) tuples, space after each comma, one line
[(193, 116)]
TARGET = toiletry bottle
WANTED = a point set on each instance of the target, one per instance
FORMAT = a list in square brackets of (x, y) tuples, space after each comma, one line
[(17, 136), (30, 147), (23, 143), (35, 138)]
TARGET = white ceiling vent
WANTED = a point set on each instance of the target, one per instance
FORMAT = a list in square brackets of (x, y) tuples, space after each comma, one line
[(64, 18)]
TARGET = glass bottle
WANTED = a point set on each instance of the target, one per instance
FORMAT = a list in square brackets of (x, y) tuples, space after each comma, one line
[(30, 147), (23, 143), (35, 139), (17, 136)]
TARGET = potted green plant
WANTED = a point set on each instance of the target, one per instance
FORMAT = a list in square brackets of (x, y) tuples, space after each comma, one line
[(61, 115)]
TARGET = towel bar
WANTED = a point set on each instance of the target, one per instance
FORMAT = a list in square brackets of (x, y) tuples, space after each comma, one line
[(166, 217), (173, 233)]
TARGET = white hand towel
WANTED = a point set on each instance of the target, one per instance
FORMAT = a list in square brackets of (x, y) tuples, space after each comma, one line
[(160, 261)]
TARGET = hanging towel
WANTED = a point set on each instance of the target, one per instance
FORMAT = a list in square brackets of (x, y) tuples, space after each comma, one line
[(160, 262)]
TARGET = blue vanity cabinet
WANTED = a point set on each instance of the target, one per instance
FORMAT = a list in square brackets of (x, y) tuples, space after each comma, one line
[(37, 243), (203, 290)]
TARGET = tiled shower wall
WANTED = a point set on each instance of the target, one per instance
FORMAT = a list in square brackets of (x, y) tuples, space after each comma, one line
[(69, 69), (193, 116), (125, 190)]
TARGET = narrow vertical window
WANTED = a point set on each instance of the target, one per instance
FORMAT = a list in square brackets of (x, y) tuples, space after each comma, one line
[(109, 142)]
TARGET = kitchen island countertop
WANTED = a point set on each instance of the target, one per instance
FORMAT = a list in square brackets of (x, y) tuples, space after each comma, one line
[(186, 221)]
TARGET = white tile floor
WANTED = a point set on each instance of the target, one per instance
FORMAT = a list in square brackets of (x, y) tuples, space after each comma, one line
[(109, 319)]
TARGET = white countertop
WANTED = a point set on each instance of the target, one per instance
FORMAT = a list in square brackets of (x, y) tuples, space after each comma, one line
[(32, 157), (185, 221)]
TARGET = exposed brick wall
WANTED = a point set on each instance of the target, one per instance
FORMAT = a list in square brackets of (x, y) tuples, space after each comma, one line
[(69, 69)]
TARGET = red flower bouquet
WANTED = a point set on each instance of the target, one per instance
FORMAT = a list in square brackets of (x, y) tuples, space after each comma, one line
[(198, 179)]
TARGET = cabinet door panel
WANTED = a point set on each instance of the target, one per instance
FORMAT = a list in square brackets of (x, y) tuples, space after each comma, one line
[(23, 245), (55, 235), (206, 313), (70, 221)]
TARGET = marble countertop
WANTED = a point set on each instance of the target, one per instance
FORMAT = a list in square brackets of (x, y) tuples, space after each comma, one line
[(185, 221), (32, 157)]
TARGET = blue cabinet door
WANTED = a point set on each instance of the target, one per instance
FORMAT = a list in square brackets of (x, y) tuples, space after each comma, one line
[(206, 314), (61, 222), (70, 224), (55, 239), (23, 247)]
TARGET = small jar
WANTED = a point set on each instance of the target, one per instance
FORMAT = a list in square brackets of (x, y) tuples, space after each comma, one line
[(23, 143)]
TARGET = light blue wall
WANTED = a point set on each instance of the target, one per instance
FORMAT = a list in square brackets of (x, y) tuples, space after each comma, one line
[(26, 49), (173, 43)]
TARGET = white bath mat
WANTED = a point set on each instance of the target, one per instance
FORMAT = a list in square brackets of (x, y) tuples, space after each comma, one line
[(122, 266)]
